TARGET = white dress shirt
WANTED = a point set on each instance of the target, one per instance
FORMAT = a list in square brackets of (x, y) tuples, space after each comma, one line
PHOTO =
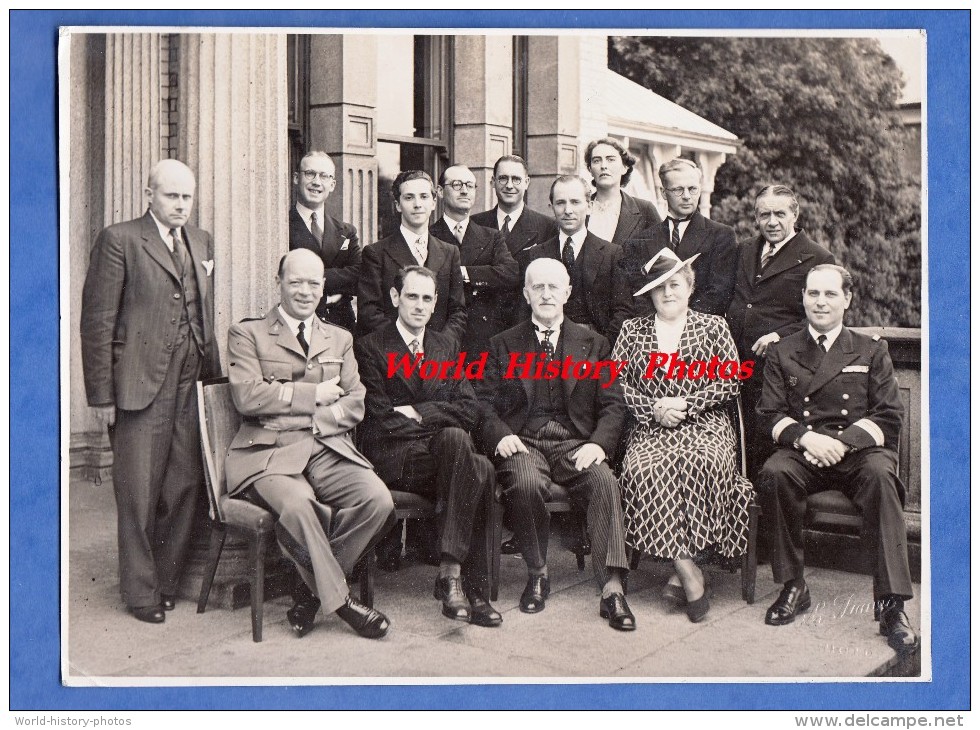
[(165, 232), (513, 216), (578, 239), (306, 214)]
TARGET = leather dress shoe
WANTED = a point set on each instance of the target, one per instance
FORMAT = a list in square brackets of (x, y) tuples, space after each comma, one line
[(168, 601), (368, 622), (149, 614), (792, 600), (618, 612), (510, 547), (482, 613), (302, 615), (896, 626), (535, 593), (449, 590)]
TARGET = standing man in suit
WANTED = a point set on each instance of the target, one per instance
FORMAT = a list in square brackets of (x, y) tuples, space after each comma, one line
[(766, 304), (520, 226), (294, 379), (412, 245), (417, 432), (559, 430), (489, 271), (687, 233), (147, 329), (333, 240), (616, 216), (591, 262), (831, 403)]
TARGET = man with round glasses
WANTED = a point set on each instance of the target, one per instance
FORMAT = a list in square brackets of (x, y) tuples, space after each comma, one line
[(335, 241), (687, 233), (489, 271), (520, 226)]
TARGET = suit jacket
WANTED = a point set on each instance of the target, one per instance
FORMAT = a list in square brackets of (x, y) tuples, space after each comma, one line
[(600, 262), (131, 307), (849, 393), (270, 375), (341, 254), (492, 287), (771, 301), (380, 263), (714, 270), (635, 214), (387, 435), (531, 228), (597, 413)]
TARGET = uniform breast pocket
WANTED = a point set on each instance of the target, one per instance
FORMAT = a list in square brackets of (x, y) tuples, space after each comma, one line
[(273, 370), (330, 367)]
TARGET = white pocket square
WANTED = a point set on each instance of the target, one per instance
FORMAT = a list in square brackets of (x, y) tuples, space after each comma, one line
[(208, 266), (345, 244), (855, 369)]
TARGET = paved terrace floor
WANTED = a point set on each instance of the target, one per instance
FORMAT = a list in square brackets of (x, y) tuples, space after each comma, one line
[(838, 638)]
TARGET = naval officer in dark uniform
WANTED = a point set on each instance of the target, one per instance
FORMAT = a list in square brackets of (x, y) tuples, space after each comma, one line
[(831, 403)]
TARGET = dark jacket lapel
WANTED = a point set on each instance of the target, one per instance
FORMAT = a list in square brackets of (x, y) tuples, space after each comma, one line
[(437, 253), (199, 254), (629, 218), (400, 251), (392, 342), (787, 258), (840, 355), (156, 248), (693, 238), (592, 253), (574, 345)]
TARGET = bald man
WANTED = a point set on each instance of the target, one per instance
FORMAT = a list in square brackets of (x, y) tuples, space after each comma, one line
[(147, 330)]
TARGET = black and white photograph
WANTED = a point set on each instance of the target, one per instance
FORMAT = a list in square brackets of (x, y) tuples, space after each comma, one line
[(462, 356)]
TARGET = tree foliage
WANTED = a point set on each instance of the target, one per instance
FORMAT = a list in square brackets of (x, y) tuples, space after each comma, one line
[(817, 114)]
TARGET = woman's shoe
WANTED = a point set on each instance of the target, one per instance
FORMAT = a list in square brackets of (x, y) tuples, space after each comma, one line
[(674, 596), (698, 608)]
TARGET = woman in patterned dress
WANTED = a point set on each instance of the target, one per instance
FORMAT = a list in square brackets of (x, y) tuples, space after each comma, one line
[(682, 493)]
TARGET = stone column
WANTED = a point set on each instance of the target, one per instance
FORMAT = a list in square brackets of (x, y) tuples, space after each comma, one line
[(232, 107), (343, 97), (553, 117), (232, 132), (483, 118), (709, 162)]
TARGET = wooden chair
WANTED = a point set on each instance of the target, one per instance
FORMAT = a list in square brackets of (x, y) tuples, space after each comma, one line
[(750, 560), (219, 422)]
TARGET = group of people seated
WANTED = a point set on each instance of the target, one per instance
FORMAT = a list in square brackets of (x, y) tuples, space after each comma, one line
[(648, 456)]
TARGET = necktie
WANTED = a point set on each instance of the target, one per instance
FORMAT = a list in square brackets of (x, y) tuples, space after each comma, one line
[(505, 228), (458, 231), (822, 342), (568, 255), (180, 253), (316, 229), (767, 255), (302, 338), (414, 347), (420, 251), (675, 232), (546, 347)]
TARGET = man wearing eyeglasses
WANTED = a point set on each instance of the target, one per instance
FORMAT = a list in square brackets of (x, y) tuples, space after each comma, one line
[(489, 271), (687, 233), (335, 241), (520, 226)]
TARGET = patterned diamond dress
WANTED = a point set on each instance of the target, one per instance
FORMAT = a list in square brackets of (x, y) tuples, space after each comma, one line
[(681, 491)]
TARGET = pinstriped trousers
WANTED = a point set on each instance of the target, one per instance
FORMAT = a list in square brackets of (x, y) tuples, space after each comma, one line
[(526, 480)]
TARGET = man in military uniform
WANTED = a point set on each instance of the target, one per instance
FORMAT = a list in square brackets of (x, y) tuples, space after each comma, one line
[(831, 403)]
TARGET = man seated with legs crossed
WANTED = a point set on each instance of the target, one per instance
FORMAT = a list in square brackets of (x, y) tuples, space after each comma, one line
[(294, 379), (560, 430), (831, 402), (417, 432)]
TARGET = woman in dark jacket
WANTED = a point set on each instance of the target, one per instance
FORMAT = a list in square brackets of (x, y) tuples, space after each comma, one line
[(616, 216)]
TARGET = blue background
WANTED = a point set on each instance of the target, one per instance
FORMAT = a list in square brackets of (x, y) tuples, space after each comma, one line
[(34, 392)]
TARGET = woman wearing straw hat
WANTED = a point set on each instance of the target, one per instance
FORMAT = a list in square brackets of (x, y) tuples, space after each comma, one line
[(683, 498)]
